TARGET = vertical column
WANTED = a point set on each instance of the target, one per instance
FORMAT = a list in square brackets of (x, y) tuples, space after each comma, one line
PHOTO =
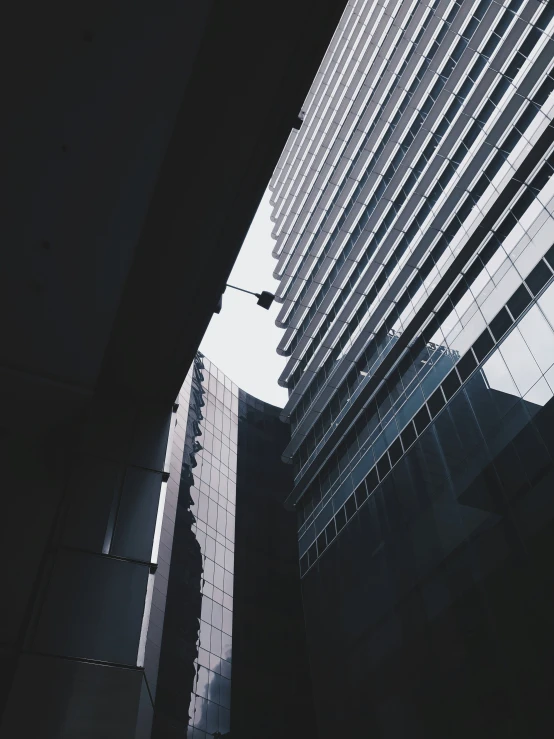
[(78, 662)]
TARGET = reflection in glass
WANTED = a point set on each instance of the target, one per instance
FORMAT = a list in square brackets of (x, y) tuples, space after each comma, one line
[(539, 337), (212, 448), (540, 393), (520, 362)]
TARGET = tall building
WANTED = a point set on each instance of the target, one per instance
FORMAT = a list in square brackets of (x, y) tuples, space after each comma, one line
[(223, 636), (414, 227)]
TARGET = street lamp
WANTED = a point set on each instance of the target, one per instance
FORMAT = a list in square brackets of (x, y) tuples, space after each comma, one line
[(265, 299)]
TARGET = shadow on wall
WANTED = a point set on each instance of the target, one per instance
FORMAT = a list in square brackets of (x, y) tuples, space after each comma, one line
[(179, 648), (181, 629)]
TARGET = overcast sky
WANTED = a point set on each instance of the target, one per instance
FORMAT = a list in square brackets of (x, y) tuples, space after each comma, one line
[(241, 340)]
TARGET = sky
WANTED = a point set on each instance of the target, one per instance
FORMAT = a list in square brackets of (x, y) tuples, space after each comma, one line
[(242, 339)]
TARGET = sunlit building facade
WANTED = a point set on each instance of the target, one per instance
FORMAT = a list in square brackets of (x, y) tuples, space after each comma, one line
[(414, 227)]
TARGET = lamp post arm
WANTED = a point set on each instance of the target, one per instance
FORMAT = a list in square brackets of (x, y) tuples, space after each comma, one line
[(243, 290)]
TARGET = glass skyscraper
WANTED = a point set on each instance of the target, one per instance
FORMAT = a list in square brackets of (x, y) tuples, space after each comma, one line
[(226, 576), (189, 639), (414, 227)]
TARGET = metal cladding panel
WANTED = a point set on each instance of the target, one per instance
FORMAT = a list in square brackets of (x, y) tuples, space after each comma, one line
[(72, 699)]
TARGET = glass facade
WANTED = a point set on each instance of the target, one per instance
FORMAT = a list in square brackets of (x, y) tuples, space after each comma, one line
[(414, 220), (213, 505), (229, 549), (194, 680), (434, 597)]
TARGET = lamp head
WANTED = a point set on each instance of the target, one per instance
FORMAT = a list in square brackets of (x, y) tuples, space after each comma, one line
[(265, 299)]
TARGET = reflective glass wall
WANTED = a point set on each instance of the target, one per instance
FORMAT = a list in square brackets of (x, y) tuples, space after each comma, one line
[(213, 506), (271, 692), (194, 681), (231, 583), (429, 612)]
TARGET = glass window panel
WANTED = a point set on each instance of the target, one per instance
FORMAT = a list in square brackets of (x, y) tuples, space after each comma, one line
[(321, 543), (226, 646), (201, 538), (500, 324), (205, 635), (538, 277), (221, 520), (330, 531), (215, 663), (379, 445), (549, 256), (212, 513), (520, 362), (391, 432), (220, 554), (210, 547), (519, 301), (229, 560), (450, 384), (215, 683), (372, 480), (483, 345), (227, 621), (539, 337), (215, 642), (218, 576), (199, 718), (546, 304), (408, 436), (209, 570), (203, 682), (224, 720), (395, 451), (206, 610), (422, 419), (225, 692), (540, 393), (383, 466), (497, 375), (340, 518), (410, 407), (212, 719), (230, 527), (549, 377), (217, 615), (203, 657), (466, 365), (350, 506), (228, 583), (436, 402)]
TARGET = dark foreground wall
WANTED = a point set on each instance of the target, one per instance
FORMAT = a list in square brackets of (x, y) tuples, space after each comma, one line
[(271, 693), (78, 526)]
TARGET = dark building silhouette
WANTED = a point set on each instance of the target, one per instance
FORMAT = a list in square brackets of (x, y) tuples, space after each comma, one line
[(137, 141), (271, 692)]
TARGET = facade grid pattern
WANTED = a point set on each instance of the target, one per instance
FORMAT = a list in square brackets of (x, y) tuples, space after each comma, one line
[(414, 226), (213, 497), (430, 226)]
